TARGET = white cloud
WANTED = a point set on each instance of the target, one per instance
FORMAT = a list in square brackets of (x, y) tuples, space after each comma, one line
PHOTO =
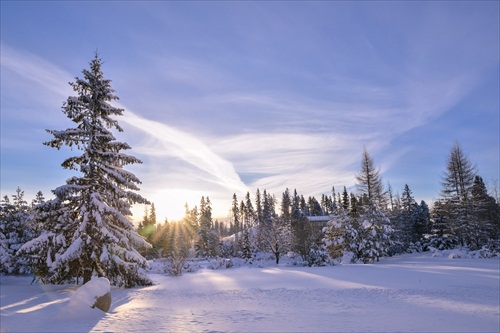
[(164, 140), (29, 66)]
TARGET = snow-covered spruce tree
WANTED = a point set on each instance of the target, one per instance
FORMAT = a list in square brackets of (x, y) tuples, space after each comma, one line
[(485, 220), (363, 238), (374, 233), (15, 230), (441, 235), (86, 229), (246, 246), (339, 235)]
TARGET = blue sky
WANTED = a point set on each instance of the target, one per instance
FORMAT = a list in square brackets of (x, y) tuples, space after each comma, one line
[(228, 97)]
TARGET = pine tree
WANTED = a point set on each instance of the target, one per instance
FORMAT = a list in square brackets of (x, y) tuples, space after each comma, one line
[(457, 184), (391, 197), (354, 211), (286, 205), (370, 183), (485, 216), (178, 239), (246, 246), (87, 230), (314, 207), (406, 223), (441, 235), (258, 207), (39, 199), (420, 217), (208, 241), (459, 177), (375, 235), (147, 229), (249, 213), (274, 233), (15, 230), (345, 200), (342, 237), (236, 216)]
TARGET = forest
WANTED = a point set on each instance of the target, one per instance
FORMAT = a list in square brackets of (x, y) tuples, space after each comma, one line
[(86, 230)]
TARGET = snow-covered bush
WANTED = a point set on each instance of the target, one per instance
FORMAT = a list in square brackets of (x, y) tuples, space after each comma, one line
[(219, 263), (368, 237), (318, 257)]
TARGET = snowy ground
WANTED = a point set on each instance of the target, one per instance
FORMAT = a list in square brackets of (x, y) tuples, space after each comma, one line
[(410, 293)]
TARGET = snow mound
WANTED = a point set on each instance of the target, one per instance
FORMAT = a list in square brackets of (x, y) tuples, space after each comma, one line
[(87, 295)]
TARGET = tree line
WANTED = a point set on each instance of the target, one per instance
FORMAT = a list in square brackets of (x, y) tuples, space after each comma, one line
[(86, 229), (362, 226)]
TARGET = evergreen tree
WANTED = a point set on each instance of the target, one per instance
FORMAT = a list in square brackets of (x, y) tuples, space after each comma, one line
[(441, 235), (459, 176), (365, 237), (327, 204), (152, 216), (208, 241), (190, 222), (87, 230), (258, 207), (354, 211), (303, 206), (420, 217), (246, 246), (249, 213), (236, 216), (286, 205), (407, 224), (391, 198), (456, 190), (314, 207), (376, 235), (341, 237), (39, 199), (147, 229), (178, 236), (370, 183), (345, 200), (274, 233), (485, 216), (15, 230)]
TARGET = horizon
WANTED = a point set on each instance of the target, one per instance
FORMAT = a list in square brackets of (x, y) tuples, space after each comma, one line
[(224, 98)]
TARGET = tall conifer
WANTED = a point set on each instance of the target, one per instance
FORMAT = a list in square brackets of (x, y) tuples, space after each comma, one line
[(86, 227)]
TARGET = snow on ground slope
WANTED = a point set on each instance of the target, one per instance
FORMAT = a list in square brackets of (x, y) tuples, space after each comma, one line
[(411, 293)]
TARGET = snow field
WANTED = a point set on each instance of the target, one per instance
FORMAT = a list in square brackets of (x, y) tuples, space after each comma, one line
[(410, 293)]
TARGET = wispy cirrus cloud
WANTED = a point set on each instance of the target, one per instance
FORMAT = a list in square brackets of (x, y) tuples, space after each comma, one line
[(29, 66), (167, 141)]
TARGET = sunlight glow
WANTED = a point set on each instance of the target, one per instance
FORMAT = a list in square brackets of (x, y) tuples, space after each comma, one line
[(169, 204)]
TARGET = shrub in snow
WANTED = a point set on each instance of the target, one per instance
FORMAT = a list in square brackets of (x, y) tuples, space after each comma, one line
[(220, 263), (464, 253), (317, 257)]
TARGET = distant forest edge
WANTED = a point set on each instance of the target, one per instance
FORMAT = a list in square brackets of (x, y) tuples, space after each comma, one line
[(86, 229)]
